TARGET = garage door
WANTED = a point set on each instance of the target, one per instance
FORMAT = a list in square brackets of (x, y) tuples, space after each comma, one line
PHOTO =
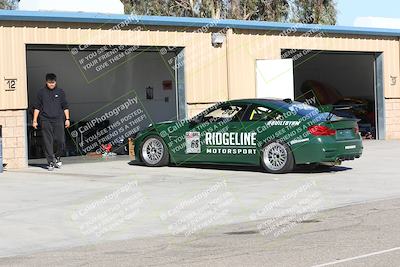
[(274, 78), (113, 91), (350, 81)]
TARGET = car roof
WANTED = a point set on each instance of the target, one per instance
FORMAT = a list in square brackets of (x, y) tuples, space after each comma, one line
[(260, 101)]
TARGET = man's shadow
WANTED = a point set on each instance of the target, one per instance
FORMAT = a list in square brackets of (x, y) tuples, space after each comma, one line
[(38, 165)]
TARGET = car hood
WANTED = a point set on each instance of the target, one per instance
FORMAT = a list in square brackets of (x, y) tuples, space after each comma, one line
[(165, 124)]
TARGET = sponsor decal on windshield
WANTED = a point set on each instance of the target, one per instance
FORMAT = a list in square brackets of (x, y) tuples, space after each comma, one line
[(283, 123)]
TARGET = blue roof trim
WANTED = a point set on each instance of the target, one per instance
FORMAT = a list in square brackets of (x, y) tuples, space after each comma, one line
[(83, 17)]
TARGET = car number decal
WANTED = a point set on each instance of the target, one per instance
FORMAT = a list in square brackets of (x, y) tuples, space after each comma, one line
[(350, 147), (193, 145)]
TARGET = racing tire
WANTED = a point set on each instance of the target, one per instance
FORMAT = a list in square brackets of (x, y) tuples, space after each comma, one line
[(277, 157), (154, 152)]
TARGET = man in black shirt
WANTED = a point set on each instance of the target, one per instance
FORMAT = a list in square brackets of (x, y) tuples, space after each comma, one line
[(52, 109)]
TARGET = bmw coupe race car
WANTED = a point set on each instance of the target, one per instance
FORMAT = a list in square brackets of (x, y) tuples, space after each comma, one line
[(274, 134)]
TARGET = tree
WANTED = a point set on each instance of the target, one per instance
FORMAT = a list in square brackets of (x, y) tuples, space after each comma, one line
[(141, 7), (274, 10), (315, 11), (308, 11), (243, 9), (183, 8), (212, 9), (8, 4), (178, 8)]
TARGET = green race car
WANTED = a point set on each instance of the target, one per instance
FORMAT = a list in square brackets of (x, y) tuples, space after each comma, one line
[(276, 134)]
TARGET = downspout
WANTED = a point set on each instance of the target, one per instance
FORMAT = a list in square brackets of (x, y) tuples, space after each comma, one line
[(229, 32)]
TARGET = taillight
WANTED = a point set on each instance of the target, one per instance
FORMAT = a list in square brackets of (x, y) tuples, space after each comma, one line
[(320, 130), (356, 129)]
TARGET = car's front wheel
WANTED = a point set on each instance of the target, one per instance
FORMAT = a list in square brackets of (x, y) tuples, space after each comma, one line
[(277, 157), (154, 152)]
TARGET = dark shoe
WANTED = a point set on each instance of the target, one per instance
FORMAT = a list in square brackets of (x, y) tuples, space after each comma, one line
[(50, 167), (58, 163)]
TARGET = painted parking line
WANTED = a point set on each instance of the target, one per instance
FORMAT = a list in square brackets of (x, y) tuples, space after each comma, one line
[(357, 257)]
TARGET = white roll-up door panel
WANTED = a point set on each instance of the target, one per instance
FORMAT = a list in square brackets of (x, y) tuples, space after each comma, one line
[(274, 78)]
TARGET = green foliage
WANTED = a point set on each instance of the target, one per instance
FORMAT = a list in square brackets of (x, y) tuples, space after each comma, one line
[(314, 11), (266, 10), (309, 11), (8, 4)]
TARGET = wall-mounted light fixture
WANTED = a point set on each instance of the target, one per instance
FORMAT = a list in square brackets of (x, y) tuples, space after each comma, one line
[(149, 93), (217, 39), (393, 80)]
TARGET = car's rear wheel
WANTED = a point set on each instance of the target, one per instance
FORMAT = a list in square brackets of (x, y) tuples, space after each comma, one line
[(277, 157), (154, 152)]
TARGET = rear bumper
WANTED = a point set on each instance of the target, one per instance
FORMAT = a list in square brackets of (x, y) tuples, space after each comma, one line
[(327, 149)]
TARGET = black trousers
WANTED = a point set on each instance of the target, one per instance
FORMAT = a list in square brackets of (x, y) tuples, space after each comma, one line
[(53, 139)]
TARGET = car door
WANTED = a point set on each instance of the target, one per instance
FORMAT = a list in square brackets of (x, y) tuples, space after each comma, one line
[(266, 122), (220, 136)]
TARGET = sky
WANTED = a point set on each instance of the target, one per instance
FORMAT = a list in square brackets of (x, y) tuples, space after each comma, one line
[(350, 10), (105, 6)]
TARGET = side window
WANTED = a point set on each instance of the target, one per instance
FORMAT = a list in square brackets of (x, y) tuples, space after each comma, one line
[(260, 113), (225, 112)]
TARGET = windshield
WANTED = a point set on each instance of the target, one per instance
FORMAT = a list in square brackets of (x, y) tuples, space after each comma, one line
[(305, 110), (302, 109)]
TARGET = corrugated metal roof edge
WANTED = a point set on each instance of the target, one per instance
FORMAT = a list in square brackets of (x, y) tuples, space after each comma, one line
[(84, 17)]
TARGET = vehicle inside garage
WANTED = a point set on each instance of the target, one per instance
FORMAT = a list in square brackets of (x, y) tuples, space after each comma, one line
[(346, 80), (113, 92)]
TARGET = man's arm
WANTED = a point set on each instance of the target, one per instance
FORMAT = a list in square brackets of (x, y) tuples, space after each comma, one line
[(35, 118), (65, 107), (36, 111), (67, 121)]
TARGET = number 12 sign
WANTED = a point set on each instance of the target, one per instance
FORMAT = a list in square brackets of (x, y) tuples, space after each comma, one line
[(10, 84)]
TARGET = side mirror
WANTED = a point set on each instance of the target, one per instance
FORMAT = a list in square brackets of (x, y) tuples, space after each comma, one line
[(196, 120)]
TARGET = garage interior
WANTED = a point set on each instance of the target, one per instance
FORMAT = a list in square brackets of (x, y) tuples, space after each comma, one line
[(347, 80), (144, 73)]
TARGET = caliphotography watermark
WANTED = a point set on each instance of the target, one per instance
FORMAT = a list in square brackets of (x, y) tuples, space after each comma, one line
[(98, 61), (110, 212), (284, 214), (206, 208), (113, 125), (95, 61)]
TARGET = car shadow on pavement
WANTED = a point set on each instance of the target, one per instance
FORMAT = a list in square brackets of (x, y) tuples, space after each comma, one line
[(321, 169), (299, 169)]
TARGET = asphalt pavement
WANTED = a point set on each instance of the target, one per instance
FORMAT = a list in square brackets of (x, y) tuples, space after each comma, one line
[(356, 235), (204, 215)]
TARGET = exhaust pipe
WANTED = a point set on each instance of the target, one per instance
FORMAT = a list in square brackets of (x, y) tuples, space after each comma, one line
[(337, 162)]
